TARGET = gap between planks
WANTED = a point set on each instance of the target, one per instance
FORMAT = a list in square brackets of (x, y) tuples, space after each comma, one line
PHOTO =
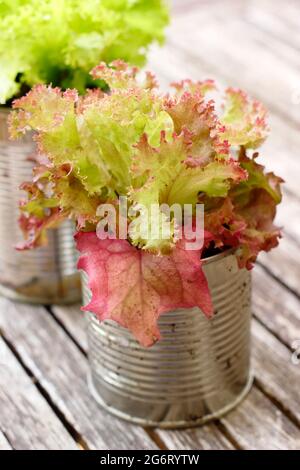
[(269, 392), (272, 352), (59, 370), (205, 439), (27, 420), (66, 384), (163, 444), (4, 441), (77, 438), (51, 335), (268, 79)]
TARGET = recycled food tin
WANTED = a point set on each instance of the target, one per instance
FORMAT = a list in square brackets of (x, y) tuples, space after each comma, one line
[(44, 275), (199, 370)]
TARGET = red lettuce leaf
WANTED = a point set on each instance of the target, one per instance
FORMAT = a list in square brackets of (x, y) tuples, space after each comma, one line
[(34, 228), (134, 287)]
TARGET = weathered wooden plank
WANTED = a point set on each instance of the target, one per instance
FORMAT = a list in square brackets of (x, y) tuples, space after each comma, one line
[(260, 33), (208, 437), (288, 138), (259, 425), (275, 306), (290, 14), (268, 80), (284, 262), (265, 17), (288, 215), (211, 437), (284, 165), (280, 152), (61, 369), (74, 321), (26, 418), (180, 7), (4, 444), (278, 376)]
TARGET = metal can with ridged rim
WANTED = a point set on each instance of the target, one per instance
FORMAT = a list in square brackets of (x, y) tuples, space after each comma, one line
[(199, 370), (44, 275)]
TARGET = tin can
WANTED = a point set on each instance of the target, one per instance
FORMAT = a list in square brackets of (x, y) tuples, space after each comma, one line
[(199, 370), (44, 275)]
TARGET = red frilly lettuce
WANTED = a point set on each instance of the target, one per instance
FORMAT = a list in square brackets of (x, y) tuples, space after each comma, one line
[(154, 149)]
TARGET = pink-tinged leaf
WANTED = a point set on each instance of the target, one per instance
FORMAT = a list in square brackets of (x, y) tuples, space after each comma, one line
[(34, 228), (258, 178), (42, 109), (260, 233), (244, 119), (134, 287), (192, 112), (224, 225), (91, 98), (249, 228), (188, 85), (120, 75), (155, 149)]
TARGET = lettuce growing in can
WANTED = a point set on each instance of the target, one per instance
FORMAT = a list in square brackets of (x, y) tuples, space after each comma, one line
[(153, 149)]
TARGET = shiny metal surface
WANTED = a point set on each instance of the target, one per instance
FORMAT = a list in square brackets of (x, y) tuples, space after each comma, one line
[(45, 275), (199, 370)]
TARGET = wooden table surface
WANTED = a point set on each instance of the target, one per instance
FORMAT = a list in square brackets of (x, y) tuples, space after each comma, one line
[(44, 402)]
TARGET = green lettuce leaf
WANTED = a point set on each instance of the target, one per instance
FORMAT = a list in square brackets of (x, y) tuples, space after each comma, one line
[(156, 150), (59, 41), (163, 175), (244, 119)]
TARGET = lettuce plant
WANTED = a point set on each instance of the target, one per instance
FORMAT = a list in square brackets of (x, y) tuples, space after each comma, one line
[(195, 145), (59, 41)]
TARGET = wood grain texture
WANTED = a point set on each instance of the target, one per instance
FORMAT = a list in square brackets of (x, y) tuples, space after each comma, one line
[(289, 15), (208, 437), (26, 418), (283, 263), (180, 7), (259, 425), (253, 45), (4, 444), (181, 58), (275, 372), (61, 369), (73, 320), (271, 19), (276, 375), (288, 215), (275, 306), (249, 63)]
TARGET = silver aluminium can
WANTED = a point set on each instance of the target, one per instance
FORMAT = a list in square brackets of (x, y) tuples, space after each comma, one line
[(198, 371), (44, 275)]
